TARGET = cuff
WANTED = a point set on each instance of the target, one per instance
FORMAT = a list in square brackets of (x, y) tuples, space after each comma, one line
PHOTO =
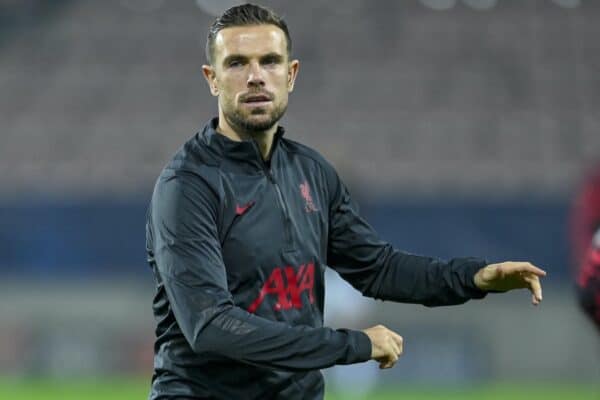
[(360, 344), (473, 265)]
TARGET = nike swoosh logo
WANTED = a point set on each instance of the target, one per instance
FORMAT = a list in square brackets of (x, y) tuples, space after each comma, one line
[(239, 210)]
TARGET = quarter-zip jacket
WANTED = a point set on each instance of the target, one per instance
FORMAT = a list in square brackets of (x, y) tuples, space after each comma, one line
[(238, 249)]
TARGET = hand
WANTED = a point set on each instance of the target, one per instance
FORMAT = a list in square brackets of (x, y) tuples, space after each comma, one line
[(511, 275), (386, 346)]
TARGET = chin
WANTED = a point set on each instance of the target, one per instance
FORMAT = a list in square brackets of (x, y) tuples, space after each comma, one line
[(262, 118), (259, 126), (258, 120)]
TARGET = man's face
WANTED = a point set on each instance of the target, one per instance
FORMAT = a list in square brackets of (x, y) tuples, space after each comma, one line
[(252, 76)]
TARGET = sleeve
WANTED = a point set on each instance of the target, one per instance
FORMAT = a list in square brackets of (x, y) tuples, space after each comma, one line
[(187, 253), (588, 282), (380, 271)]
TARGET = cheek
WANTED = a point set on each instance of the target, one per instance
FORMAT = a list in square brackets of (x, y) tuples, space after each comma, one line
[(226, 100), (228, 90), (282, 76), (231, 82), (280, 83)]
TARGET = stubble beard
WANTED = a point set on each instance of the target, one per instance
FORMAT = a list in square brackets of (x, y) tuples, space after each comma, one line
[(240, 122)]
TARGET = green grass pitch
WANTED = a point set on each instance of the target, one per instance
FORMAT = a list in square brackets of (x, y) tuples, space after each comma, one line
[(124, 389)]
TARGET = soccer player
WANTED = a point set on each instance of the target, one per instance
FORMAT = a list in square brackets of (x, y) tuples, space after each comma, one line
[(585, 215), (243, 222), (588, 281), (585, 244)]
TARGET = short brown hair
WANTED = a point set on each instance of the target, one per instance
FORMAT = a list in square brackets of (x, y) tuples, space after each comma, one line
[(245, 15)]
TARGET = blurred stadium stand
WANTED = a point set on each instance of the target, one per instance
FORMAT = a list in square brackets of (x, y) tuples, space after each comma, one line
[(461, 126), (402, 98)]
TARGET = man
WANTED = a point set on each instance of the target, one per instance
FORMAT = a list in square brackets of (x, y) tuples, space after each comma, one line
[(241, 226), (585, 244), (585, 215), (588, 281)]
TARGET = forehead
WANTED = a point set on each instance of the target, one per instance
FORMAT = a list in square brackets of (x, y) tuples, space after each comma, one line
[(250, 40)]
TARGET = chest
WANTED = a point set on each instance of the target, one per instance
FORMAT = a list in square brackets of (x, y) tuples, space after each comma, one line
[(273, 219)]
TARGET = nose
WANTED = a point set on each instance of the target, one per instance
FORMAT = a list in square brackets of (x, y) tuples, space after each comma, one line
[(255, 75)]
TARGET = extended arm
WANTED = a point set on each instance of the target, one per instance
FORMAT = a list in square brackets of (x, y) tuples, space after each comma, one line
[(378, 270)]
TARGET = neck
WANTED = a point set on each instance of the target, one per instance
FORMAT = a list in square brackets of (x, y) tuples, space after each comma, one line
[(264, 139)]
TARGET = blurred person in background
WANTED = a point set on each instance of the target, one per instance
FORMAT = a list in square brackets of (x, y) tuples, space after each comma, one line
[(588, 281), (241, 225), (585, 241)]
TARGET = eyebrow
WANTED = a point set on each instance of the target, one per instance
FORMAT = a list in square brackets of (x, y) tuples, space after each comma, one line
[(273, 56), (239, 57)]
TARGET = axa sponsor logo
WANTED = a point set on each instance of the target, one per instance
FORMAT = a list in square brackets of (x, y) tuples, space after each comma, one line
[(287, 284), (309, 205)]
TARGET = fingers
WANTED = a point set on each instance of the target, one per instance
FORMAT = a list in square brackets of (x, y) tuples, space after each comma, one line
[(396, 348), (387, 346), (519, 266), (389, 362), (398, 339), (395, 343), (511, 275), (536, 289), (530, 276)]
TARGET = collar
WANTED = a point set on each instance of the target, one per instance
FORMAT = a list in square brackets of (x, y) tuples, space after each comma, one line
[(244, 151)]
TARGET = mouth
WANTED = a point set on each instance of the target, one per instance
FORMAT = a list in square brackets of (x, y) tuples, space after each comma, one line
[(257, 100)]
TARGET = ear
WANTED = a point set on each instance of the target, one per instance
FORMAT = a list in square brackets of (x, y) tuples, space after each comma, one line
[(293, 68), (211, 78)]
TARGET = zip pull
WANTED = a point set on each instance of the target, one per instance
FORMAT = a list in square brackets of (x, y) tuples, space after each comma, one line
[(267, 171)]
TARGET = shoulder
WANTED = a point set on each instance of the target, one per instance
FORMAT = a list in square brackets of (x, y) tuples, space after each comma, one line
[(192, 168), (193, 155), (309, 154), (321, 166)]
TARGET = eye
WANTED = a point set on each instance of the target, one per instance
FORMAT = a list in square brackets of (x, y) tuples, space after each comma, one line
[(234, 63), (270, 61)]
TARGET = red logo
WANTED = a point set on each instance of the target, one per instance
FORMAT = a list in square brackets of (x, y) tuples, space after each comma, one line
[(239, 210), (309, 205), (288, 296)]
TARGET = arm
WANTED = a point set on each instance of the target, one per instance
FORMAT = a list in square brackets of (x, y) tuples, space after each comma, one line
[(183, 218), (380, 271)]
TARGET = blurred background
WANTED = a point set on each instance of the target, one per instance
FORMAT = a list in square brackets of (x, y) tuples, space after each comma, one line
[(462, 127)]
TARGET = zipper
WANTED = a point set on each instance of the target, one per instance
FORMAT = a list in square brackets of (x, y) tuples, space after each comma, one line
[(287, 222)]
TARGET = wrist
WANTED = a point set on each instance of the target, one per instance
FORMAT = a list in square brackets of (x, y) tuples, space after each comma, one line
[(478, 280), (484, 277)]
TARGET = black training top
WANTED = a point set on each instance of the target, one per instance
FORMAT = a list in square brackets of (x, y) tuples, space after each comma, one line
[(238, 248)]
